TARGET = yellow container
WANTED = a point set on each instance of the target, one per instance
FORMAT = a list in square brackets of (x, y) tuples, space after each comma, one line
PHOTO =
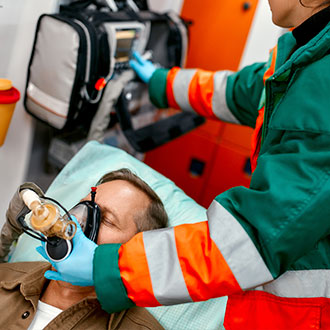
[(9, 95)]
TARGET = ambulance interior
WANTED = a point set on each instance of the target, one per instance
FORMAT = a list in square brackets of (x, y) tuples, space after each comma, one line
[(186, 172)]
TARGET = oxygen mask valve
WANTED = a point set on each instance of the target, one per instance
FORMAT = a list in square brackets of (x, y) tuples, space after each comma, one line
[(46, 217)]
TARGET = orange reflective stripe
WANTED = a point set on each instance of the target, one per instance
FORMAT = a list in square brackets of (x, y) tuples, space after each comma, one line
[(201, 90), (271, 68), (257, 133), (205, 270), (169, 88), (134, 272), (256, 139)]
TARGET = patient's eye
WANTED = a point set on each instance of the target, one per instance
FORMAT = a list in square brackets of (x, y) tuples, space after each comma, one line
[(109, 217), (108, 222)]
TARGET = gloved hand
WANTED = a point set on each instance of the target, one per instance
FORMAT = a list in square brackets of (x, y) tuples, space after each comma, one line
[(77, 268), (142, 67)]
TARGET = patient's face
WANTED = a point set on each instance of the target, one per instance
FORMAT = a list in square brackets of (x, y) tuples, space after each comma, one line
[(119, 202)]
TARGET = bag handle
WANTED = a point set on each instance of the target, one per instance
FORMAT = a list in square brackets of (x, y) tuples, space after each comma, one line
[(81, 5), (113, 5), (77, 5)]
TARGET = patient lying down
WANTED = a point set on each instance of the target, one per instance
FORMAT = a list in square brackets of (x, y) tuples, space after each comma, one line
[(29, 301)]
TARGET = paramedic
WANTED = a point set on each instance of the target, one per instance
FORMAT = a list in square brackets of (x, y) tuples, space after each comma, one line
[(267, 246), (128, 206)]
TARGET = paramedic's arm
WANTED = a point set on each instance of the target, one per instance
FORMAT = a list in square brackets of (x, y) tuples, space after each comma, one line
[(11, 229), (252, 235), (228, 96), (231, 97)]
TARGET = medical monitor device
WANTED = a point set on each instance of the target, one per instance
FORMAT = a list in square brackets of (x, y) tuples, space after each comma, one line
[(124, 39)]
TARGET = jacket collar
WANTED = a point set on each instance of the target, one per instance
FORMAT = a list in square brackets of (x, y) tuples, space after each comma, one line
[(31, 283), (312, 51), (311, 27)]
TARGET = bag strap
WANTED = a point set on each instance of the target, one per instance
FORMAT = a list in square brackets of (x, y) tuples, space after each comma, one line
[(154, 135)]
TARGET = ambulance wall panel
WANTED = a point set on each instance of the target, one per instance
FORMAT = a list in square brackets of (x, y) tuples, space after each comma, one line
[(17, 26), (262, 36), (230, 168), (237, 135), (218, 32), (188, 161)]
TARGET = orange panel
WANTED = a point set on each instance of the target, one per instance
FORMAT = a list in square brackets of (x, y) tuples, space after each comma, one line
[(219, 32), (212, 129), (238, 135), (229, 170), (181, 159)]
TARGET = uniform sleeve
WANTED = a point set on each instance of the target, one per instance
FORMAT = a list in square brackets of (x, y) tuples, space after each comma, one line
[(243, 93), (224, 95), (162, 267)]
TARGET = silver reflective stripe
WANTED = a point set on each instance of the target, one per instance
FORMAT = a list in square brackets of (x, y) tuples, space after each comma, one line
[(181, 88), (237, 248), (219, 104), (166, 275), (300, 284), (46, 107), (49, 103)]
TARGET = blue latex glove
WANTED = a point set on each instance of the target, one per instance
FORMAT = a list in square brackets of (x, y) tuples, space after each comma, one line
[(142, 67), (77, 268)]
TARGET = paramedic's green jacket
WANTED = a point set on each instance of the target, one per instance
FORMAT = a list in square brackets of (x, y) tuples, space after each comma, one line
[(281, 224)]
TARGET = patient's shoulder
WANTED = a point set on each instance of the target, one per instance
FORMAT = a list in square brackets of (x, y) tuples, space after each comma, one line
[(138, 318), (16, 270)]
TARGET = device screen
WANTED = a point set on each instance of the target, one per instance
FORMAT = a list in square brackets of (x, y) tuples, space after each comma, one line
[(125, 40)]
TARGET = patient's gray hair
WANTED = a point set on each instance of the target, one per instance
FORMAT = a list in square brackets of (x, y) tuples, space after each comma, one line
[(155, 216)]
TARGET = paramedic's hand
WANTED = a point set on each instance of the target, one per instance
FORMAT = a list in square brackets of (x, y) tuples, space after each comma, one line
[(77, 268), (142, 67)]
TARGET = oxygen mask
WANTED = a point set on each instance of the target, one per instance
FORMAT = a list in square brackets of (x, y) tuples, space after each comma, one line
[(48, 225), (88, 214)]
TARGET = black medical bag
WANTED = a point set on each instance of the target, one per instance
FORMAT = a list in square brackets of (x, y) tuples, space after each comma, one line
[(84, 47)]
